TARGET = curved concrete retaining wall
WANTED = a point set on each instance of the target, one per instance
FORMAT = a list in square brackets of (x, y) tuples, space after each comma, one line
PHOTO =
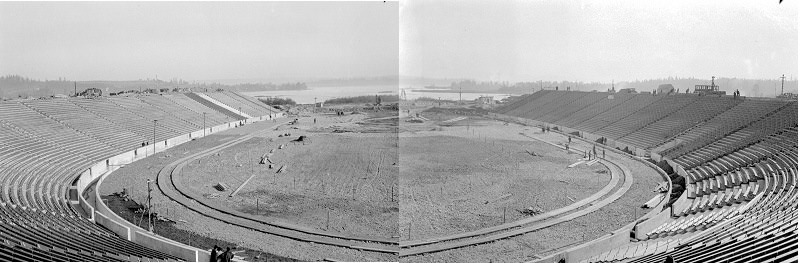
[(101, 214), (661, 215)]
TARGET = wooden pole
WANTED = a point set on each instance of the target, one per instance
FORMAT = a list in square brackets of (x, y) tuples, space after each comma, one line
[(328, 221)]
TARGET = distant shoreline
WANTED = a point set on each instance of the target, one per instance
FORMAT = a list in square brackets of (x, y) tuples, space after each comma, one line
[(452, 91)]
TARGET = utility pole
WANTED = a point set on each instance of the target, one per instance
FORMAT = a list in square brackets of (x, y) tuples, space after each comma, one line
[(149, 206), (154, 136), (76, 88), (315, 104), (459, 94), (783, 77), (204, 124)]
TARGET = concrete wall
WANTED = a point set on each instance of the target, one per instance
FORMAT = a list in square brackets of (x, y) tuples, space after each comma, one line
[(119, 229), (172, 248), (600, 245), (661, 218), (620, 237), (101, 214), (86, 207), (682, 202)]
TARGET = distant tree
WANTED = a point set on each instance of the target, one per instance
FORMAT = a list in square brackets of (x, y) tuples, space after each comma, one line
[(277, 101), (364, 99)]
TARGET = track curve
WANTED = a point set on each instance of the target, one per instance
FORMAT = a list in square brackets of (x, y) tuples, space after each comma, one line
[(172, 188), (621, 180)]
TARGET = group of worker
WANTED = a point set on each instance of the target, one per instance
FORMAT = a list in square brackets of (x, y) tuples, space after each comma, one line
[(589, 154), (218, 256)]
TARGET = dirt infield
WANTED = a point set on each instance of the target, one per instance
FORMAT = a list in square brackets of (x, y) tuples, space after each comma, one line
[(338, 183), (542, 242), (454, 181), (453, 184), (134, 176)]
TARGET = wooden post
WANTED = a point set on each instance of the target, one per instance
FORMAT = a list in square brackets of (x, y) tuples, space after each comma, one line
[(504, 214), (257, 210)]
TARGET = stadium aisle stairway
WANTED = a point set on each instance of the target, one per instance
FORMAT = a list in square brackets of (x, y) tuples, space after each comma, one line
[(261, 108), (210, 105), (212, 117), (257, 108), (234, 104)]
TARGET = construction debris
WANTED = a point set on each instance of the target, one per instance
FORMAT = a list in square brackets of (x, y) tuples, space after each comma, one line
[(532, 153), (530, 211), (221, 186)]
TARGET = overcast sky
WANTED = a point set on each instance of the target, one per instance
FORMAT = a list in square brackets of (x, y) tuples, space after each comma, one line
[(199, 40), (598, 40)]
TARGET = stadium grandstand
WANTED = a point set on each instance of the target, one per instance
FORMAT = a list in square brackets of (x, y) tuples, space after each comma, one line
[(52, 150), (733, 161)]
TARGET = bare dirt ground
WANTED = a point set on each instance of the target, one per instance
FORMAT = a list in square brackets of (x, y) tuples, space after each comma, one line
[(134, 176), (532, 245), (453, 184), (336, 182)]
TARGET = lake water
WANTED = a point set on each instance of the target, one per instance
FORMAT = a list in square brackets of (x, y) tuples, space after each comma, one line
[(330, 92)]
